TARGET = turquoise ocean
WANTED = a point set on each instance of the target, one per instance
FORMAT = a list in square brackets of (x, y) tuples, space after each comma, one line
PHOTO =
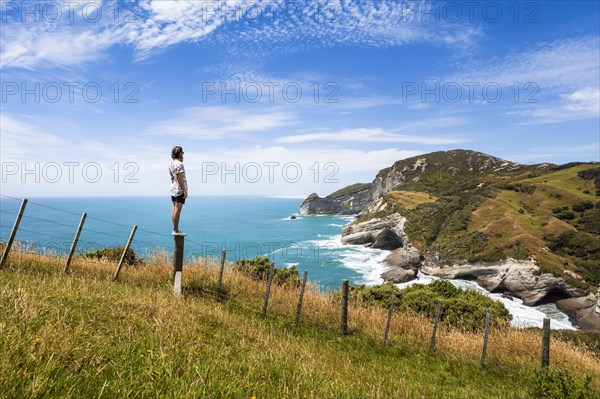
[(245, 226)]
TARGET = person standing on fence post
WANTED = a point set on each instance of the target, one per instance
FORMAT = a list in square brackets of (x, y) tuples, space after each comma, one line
[(179, 189)]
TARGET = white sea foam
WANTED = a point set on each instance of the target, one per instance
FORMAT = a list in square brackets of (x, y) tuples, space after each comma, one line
[(332, 241), (366, 261), (523, 316)]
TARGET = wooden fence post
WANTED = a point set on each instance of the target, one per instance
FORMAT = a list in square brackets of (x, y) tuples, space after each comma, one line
[(177, 284), (485, 337), (435, 324), (116, 276), (389, 318), (75, 240), (344, 318), (546, 343), (223, 253), (178, 264), (268, 290), (301, 298), (13, 232)]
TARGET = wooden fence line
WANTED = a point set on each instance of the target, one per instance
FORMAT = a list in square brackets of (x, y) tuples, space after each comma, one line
[(13, 232), (120, 265), (300, 298), (486, 331), (389, 318), (344, 318), (268, 290), (435, 324), (221, 269), (75, 241), (177, 280), (546, 343)]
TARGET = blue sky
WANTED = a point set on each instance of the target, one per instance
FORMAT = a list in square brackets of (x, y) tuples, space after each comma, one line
[(286, 98)]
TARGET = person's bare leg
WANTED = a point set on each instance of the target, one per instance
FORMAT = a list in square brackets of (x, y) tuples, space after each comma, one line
[(175, 214)]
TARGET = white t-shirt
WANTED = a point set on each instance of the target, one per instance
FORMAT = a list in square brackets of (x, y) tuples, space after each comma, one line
[(175, 168)]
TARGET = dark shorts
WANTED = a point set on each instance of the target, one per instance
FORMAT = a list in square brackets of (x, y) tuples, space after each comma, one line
[(179, 198)]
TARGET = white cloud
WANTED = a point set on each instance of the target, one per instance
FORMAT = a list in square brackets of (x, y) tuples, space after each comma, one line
[(27, 139), (582, 152), (218, 122), (378, 135), (371, 24), (24, 140), (585, 100), (577, 105), (251, 25), (32, 47), (322, 170), (570, 62), (375, 135), (557, 81)]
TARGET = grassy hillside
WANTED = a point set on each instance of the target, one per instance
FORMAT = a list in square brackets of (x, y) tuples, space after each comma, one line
[(82, 335), (531, 221), (467, 205), (350, 190)]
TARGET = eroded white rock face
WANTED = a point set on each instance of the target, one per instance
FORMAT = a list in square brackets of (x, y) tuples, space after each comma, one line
[(572, 274), (583, 309), (517, 278), (386, 232)]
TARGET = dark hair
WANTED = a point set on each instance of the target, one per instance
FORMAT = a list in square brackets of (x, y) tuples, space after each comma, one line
[(176, 152)]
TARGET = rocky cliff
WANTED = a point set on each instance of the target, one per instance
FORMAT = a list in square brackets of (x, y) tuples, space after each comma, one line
[(439, 172), (433, 173), (529, 231), (347, 201), (516, 278)]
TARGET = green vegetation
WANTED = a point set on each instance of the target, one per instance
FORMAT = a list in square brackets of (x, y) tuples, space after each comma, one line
[(585, 339), (464, 309), (113, 254), (462, 205), (258, 268), (354, 188), (591, 174), (81, 335), (399, 201), (520, 188), (408, 199), (553, 383)]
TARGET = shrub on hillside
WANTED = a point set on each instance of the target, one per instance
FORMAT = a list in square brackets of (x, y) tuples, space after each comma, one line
[(520, 188), (556, 383), (574, 243), (566, 215), (258, 269), (591, 174), (460, 308), (590, 221), (582, 206), (113, 254), (589, 270), (375, 294)]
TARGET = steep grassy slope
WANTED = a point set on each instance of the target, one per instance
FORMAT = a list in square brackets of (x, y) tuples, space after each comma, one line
[(531, 223), (464, 205), (82, 335)]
